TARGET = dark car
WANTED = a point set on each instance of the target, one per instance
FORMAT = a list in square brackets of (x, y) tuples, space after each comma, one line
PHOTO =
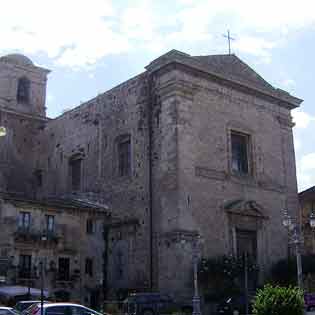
[(152, 304), (309, 301), (235, 303)]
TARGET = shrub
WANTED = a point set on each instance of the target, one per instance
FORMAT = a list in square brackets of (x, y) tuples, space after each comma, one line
[(276, 300)]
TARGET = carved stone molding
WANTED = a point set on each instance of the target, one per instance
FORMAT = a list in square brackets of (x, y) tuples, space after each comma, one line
[(176, 88), (210, 173), (285, 121)]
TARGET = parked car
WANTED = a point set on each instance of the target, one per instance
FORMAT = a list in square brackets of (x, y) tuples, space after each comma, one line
[(23, 305), (153, 304), (8, 311), (61, 309), (235, 303), (309, 301)]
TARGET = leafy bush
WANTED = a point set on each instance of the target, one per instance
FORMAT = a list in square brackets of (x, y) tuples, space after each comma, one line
[(276, 300)]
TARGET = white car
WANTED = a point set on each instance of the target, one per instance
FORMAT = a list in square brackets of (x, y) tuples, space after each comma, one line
[(8, 311), (61, 309)]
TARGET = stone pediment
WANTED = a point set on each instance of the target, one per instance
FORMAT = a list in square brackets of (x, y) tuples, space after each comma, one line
[(249, 208)]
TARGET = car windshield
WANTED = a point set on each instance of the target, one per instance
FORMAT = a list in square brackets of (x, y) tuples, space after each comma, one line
[(31, 309), (21, 306)]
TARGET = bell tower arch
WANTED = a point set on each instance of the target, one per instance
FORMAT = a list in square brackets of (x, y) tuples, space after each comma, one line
[(22, 85), (23, 114)]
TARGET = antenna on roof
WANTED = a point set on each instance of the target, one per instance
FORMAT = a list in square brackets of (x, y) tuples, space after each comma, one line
[(229, 40)]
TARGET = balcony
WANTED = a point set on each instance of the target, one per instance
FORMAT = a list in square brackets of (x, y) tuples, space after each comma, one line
[(26, 235), (23, 235)]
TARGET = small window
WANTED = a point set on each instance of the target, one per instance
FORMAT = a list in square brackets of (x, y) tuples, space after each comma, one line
[(23, 91), (90, 226), (24, 220), (75, 164), (89, 266), (25, 262), (240, 149), (38, 174), (64, 269), (124, 156), (50, 223)]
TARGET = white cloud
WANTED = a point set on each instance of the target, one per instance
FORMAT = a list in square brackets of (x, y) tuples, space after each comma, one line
[(307, 162), (302, 119), (306, 171), (288, 83), (255, 46), (297, 144), (80, 33)]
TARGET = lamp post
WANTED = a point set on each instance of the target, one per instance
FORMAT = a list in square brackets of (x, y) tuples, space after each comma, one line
[(41, 265), (195, 259), (295, 235)]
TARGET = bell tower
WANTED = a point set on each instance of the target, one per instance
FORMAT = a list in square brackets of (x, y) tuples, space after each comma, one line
[(23, 114), (22, 85)]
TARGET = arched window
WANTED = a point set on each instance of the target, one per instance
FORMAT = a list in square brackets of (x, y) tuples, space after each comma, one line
[(23, 90)]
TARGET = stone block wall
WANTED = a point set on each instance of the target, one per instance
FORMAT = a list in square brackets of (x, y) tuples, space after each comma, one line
[(92, 130)]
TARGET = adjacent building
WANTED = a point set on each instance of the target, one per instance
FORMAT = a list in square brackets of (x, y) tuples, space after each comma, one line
[(195, 146), (57, 241)]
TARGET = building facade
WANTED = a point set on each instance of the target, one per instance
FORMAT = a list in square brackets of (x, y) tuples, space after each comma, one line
[(193, 146), (57, 241)]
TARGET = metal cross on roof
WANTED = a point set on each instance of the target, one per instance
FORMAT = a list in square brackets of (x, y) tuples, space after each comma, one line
[(229, 40)]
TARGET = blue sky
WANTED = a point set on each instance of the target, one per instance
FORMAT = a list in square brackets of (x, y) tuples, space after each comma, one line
[(91, 46)]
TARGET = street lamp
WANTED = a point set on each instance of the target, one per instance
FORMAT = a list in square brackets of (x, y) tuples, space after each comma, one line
[(3, 131), (41, 264), (196, 253), (196, 241), (295, 235), (312, 220)]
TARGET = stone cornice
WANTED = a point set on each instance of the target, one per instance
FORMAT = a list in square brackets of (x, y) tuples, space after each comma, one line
[(188, 63), (175, 87), (25, 115)]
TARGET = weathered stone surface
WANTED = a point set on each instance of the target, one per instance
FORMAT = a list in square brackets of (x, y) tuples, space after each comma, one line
[(179, 115)]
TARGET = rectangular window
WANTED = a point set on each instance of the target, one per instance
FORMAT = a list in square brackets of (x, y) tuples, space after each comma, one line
[(246, 242), (124, 157), (50, 223), (64, 269), (25, 262), (75, 171), (38, 174), (24, 220), (89, 266), (90, 226), (240, 149)]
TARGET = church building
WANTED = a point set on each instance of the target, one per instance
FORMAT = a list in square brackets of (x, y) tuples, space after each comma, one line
[(194, 151)]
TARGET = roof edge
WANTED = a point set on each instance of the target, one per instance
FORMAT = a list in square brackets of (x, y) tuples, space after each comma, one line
[(175, 56)]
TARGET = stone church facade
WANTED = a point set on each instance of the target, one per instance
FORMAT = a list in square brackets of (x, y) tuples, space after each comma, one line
[(193, 146)]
